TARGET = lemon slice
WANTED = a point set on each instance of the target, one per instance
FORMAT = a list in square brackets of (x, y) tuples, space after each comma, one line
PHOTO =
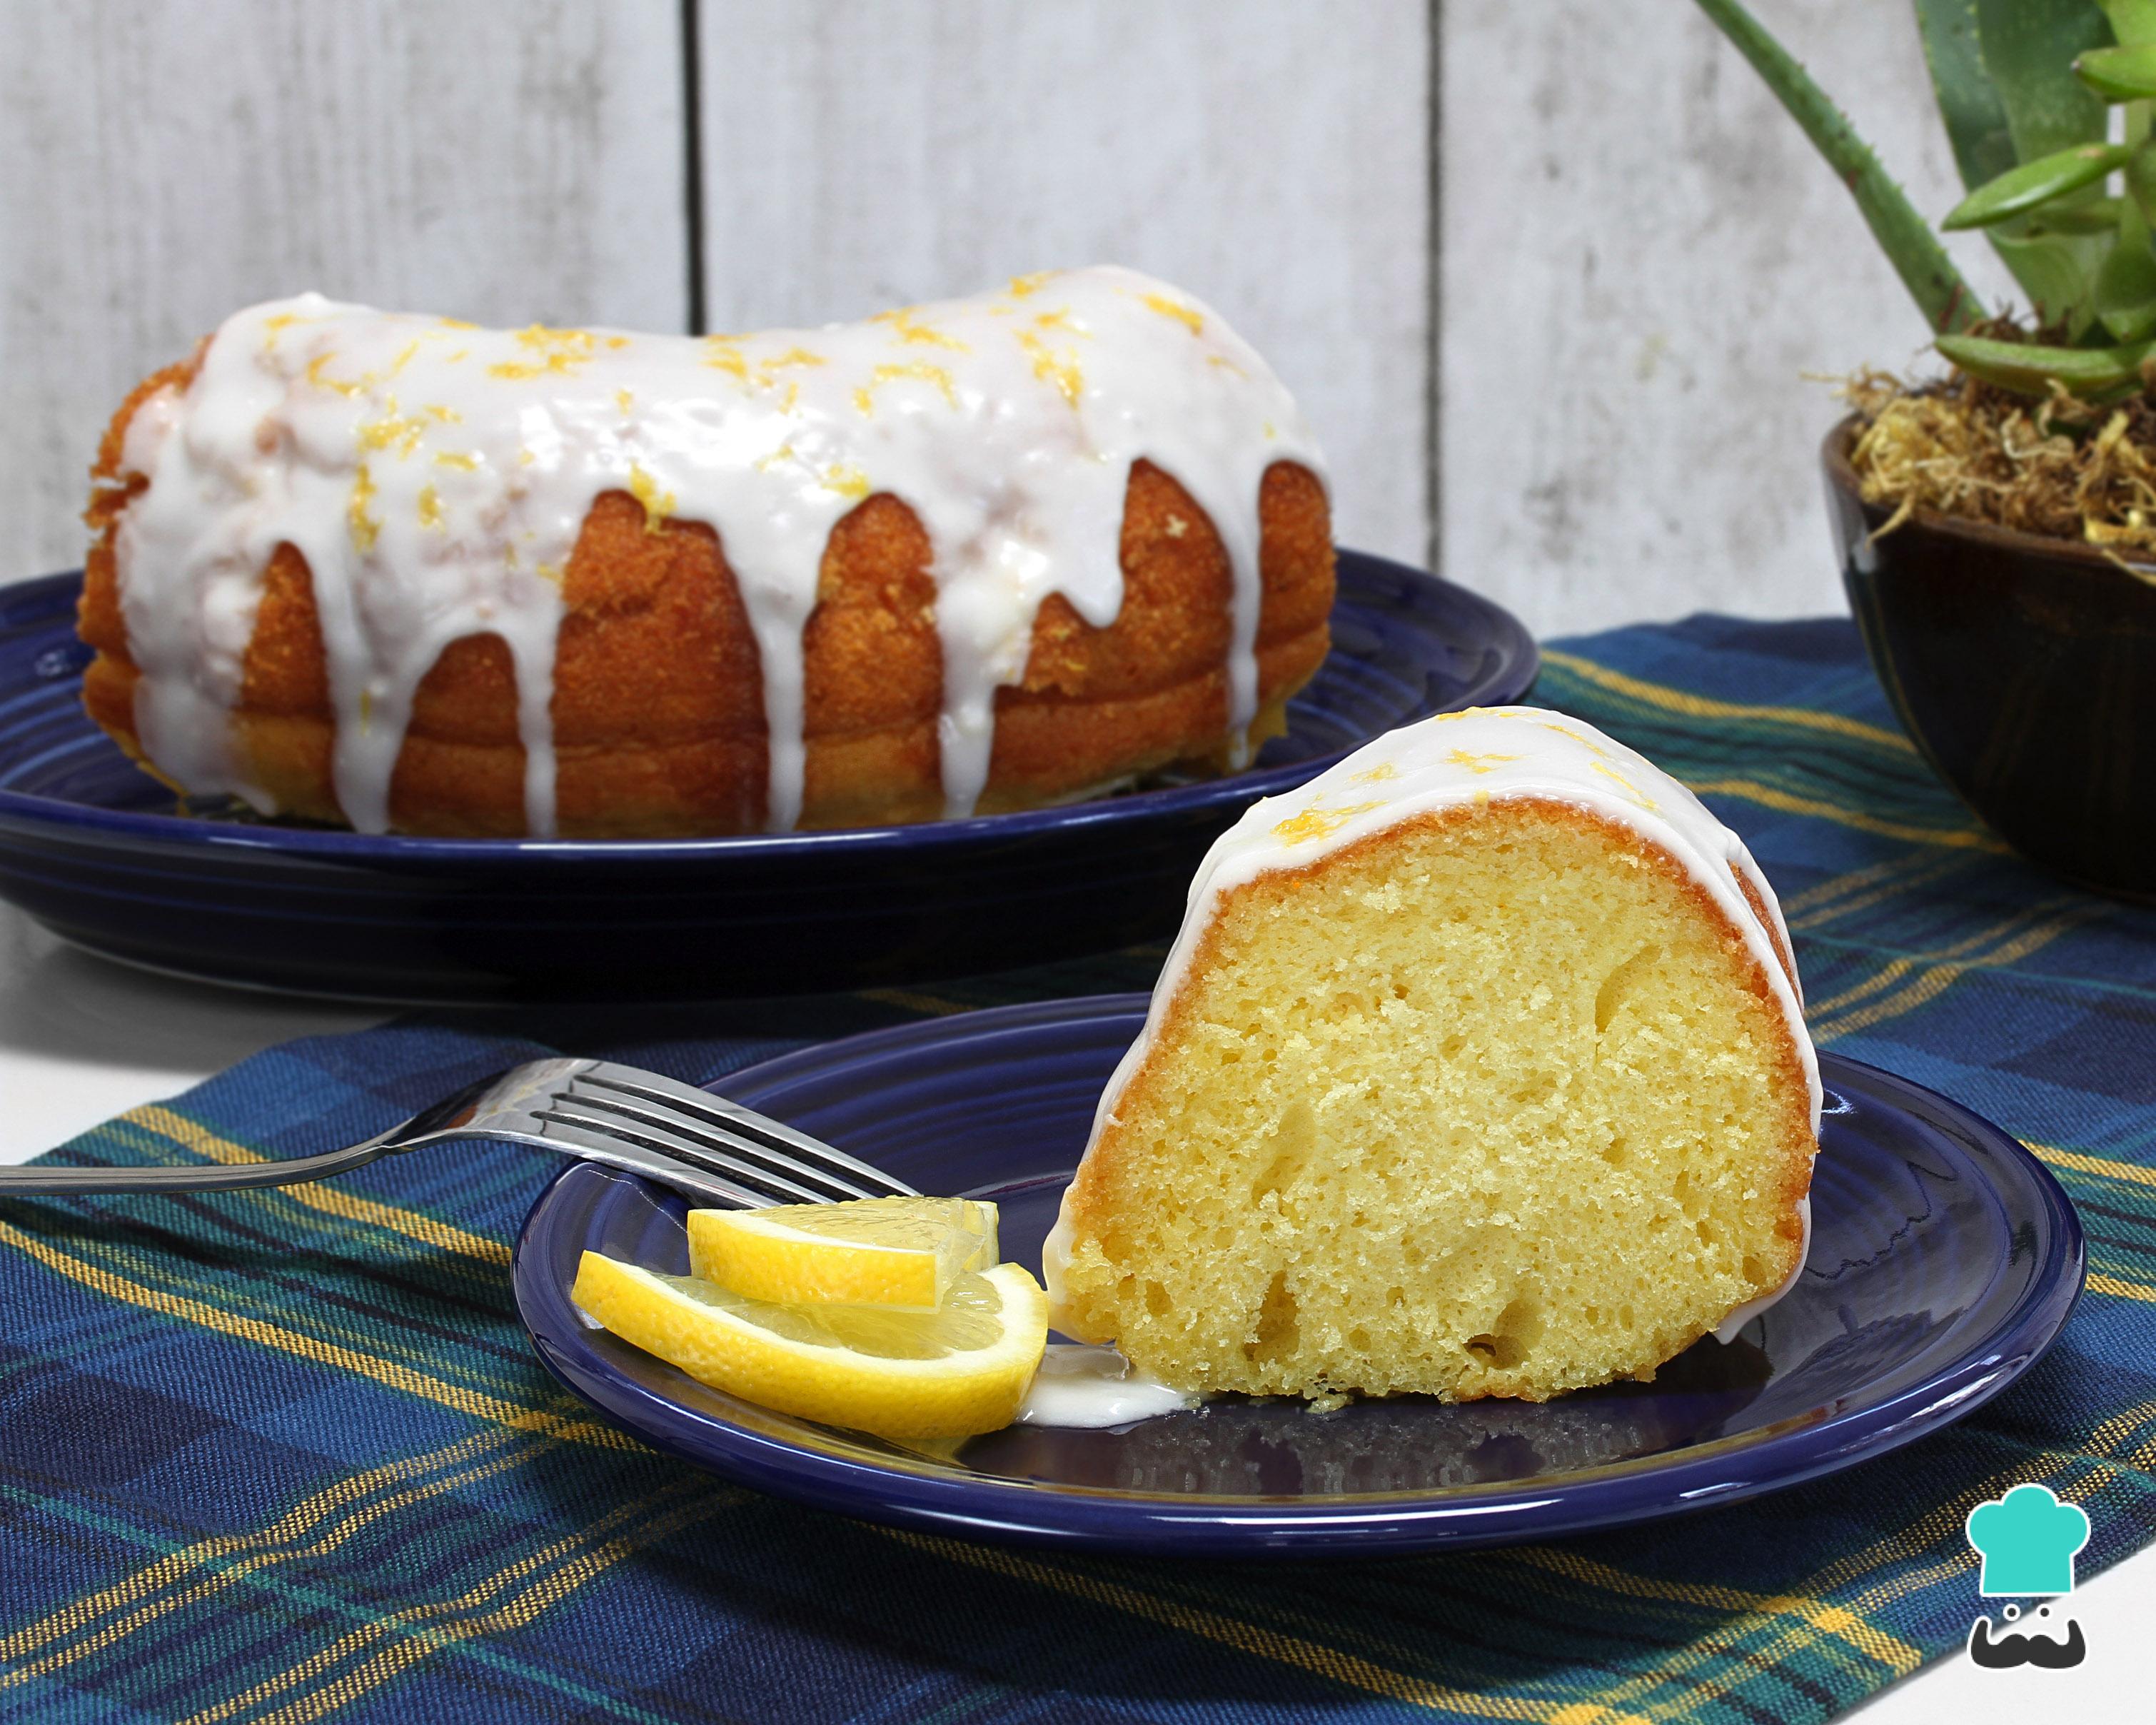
[(898, 1252), (945, 1374)]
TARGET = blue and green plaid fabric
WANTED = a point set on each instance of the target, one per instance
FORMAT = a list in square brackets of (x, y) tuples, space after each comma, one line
[(287, 1455)]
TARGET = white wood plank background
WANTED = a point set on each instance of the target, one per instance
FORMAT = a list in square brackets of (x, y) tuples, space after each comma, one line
[(1271, 157), (1637, 257), (1643, 258)]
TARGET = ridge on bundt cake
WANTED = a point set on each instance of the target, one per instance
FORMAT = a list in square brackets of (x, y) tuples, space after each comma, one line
[(1479, 1068), (402, 573)]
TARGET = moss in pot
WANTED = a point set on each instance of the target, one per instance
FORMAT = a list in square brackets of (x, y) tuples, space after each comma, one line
[(1997, 528)]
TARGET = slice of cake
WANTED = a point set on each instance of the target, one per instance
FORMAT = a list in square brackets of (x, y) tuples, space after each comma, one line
[(1479, 1068)]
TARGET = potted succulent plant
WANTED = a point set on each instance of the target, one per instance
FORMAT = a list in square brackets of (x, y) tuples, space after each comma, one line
[(1997, 526)]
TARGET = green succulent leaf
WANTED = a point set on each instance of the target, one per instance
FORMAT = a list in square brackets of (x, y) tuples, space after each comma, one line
[(2141, 180), (2022, 188), (2029, 49), (2126, 288), (1968, 104), (2057, 270), (2100, 216), (2119, 75), (2093, 373), (2131, 21)]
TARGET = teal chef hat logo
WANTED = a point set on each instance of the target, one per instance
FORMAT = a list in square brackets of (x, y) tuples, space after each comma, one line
[(2027, 1540)]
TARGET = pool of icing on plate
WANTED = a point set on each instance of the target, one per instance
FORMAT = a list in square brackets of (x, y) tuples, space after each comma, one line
[(436, 475), (1079, 1385)]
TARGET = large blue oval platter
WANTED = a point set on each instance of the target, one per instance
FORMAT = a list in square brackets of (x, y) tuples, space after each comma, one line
[(1944, 1260), (95, 849)]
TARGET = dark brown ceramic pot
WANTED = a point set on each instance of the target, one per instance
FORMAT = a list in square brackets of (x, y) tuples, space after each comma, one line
[(2025, 668)]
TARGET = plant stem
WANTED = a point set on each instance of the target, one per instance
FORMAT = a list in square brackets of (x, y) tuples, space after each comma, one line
[(1947, 302)]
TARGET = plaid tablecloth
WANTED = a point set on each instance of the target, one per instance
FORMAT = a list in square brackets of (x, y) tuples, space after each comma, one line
[(288, 1456)]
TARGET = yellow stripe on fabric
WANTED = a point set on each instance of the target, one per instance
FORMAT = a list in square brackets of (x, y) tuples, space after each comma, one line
[(1939, 977), (321, 1323), (236, 1556), (560, 1569), (475, 1403), (2119, 1289), (1831, 900), (1989, 935), (2104, 1165), (1703, 707), (315, 1194), (1348, 1669), (1968, 838), (1876, 1644), (1993, 935)]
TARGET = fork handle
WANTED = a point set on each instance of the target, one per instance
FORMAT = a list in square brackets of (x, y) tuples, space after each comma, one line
[(58, 1182)]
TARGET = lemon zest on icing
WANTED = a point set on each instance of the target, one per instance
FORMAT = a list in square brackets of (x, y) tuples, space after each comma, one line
[(1585, 742), (1060, 369), (562, 351), (365, 530), (1639, 796), (658, 505), (1473, 763), (393, 429), (906, 328), (864, 396), (315, 375), (721, 355), (1319, 823), (1192, 321)]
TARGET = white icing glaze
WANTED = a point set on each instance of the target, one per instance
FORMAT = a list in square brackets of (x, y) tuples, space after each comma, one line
[(1089, 1387), (1484, 754), (435, 477)]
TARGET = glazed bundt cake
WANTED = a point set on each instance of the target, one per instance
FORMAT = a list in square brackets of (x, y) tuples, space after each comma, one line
[(406, 574), (1479, 1069)]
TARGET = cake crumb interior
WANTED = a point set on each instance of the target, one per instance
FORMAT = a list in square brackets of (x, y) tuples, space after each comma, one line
[(1495, 1105)]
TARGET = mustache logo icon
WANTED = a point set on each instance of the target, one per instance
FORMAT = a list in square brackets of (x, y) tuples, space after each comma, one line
[(2029, 1646)]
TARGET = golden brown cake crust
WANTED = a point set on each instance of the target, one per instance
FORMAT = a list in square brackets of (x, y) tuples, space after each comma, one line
[(1100, 1185), (657, 705)]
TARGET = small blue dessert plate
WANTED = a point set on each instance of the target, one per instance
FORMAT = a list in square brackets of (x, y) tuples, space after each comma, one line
[(1944, 1260), (95, 849)]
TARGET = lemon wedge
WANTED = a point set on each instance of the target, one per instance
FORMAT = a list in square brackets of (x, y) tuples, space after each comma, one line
[(897, 1252), (962, 1369)]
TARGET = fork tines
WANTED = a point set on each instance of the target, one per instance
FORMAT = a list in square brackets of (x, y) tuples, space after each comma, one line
[(738, 1143)]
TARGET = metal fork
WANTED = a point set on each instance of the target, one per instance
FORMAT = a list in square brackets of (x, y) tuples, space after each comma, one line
[(594, 1111)]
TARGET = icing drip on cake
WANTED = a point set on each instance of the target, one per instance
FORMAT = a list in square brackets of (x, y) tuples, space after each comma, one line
[(1485, 754), (435, 477)]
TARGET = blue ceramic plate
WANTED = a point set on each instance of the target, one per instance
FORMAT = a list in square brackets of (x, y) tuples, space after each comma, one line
[(92, 848), (1943, 1261)]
